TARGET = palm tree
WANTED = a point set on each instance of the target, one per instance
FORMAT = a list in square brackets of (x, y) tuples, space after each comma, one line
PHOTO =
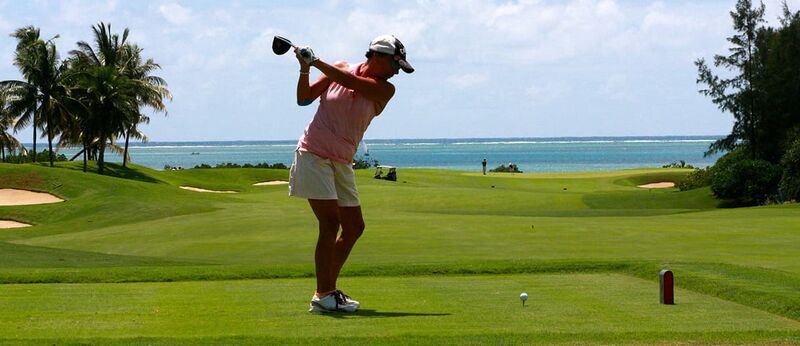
[(150, 92), (110, 102), (22, 95), (20, 106), (55, 102), (43, 96), (7, 141), (109, 96)]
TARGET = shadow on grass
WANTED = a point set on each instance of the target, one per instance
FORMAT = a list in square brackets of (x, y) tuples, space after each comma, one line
[(379, 314), (730, 204), (118, 171), (112, 169)]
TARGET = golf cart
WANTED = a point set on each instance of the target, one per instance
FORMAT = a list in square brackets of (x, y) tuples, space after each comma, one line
[(391, 174)]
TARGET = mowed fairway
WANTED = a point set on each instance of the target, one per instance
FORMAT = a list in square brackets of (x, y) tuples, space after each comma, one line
[(133, 259)]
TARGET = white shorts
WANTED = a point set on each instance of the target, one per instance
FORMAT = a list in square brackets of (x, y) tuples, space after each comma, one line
[(313, 177)]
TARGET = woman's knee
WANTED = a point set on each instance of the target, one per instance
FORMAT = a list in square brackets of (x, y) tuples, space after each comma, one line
[(329, 226), (354, 230), (352, 222), (327, 215)]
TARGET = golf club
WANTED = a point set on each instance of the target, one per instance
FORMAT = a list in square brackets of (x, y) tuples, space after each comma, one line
[(281, 45)]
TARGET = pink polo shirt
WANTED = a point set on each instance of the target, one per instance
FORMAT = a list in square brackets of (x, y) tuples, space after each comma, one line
[(339, 124)]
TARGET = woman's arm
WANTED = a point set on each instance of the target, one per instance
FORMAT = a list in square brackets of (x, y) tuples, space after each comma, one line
[(306, 94), (374, 89)]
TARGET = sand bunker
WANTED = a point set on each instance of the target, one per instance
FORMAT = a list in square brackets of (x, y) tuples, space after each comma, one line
[(195, 189), (12, 224), (274, 182), (662, 185), (23, 197)]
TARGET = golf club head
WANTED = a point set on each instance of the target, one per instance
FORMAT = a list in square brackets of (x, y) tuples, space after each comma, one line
[(281, 45)]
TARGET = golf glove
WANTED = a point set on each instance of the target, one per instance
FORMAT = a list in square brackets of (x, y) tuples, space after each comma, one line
[(306, 54)]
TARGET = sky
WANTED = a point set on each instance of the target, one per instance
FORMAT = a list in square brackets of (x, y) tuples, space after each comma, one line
[(498, 69)]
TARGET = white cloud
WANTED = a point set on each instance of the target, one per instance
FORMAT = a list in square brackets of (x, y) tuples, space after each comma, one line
[(617, 88), (5, 25), (545, 93), (260, 47), (670, 28), (541, 51), (175, 14), (78, 12), (608, 9), (468, 80)]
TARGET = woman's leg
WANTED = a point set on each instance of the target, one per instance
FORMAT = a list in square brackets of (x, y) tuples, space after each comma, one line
[(327, 213), (352, 227)]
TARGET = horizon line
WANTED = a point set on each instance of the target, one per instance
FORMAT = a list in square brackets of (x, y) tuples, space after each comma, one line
[(391, 139), (410, 138)]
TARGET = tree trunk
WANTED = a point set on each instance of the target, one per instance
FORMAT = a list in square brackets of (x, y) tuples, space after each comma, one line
[(92, 152), (3, 149), (79, 153), (752, 111), (125, 153), (84, 156), (101, 156), (34, 136), (50, 144), (46, 114)]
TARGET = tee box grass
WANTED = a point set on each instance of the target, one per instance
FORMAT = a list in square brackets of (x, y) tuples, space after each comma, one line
[(130, 258)]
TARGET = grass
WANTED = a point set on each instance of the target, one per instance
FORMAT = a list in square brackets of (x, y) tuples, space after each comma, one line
[(452, 306), (590, 244)]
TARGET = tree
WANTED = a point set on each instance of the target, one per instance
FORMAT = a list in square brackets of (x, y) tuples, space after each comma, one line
[(150, 92), (7, 141), (739, 94), (41, 99), (109, 96), (780, 53), (110, 102), (764, 98), (54, 101), (21, 95), (93, 98)]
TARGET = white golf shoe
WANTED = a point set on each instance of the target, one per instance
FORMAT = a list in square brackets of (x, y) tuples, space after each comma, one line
[(333, 302), (346, 299)]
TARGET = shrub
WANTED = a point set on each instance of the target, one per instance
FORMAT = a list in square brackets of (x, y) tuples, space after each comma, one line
[(360, 162), (749, 181), (790, 181), (697, 178), (42, 156), (677, 164), (278, 165), (511, 168)]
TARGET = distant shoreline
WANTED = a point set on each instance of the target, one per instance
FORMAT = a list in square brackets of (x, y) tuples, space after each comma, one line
[(442, 140), (530, 154)]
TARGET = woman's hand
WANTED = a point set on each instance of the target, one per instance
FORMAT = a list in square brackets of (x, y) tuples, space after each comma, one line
[(304, 66), (305, 55), (307, 93)]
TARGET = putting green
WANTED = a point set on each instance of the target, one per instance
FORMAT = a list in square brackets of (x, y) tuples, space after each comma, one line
[(448, 306)]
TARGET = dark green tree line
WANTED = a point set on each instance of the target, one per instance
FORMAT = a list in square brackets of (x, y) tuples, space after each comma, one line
[(763, 96)]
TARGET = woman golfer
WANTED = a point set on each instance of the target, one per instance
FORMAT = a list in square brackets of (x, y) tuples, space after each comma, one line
[(322, 172)]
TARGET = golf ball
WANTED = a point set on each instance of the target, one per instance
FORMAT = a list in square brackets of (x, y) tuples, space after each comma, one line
[(523, 296)]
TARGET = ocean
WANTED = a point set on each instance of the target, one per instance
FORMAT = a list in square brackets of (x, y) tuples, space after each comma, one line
[(563, 154)]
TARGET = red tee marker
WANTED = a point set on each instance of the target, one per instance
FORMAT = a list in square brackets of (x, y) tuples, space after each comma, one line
[(667, 287)]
